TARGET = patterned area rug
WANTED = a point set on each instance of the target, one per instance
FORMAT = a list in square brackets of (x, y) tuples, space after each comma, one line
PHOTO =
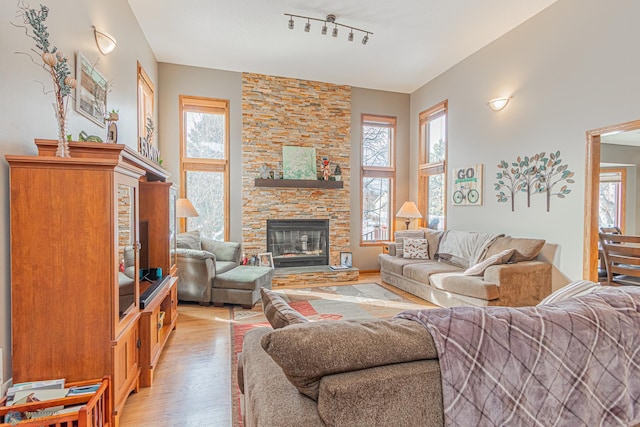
[(361, 301)]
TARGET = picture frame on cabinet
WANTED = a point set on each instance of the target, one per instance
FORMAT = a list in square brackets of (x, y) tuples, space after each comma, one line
[(91, 91)]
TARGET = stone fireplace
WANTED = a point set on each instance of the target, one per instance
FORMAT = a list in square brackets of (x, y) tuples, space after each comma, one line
[(277, 112), (298, 242)]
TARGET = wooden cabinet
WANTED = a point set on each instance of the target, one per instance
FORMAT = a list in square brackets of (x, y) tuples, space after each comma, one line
[(75, 256)]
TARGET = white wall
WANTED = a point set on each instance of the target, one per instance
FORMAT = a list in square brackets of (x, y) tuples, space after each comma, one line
[(367, 101), (570, 69), (26, 113)]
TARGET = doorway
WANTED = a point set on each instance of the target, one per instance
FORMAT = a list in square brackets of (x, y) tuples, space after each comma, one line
[(592, 194)]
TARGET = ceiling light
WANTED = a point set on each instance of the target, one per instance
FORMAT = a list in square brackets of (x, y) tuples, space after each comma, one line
[(331, 19), (497, 104), (105, 41)]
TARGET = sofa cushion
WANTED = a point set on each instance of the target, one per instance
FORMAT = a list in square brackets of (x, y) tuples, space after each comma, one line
[(307, 352), (464, 248), (394, 264), (499, 258), (575, 289), (224, 266), (471, 286), (278, 312), (421, 272), (525, 249), (433, 236), (400, 236), (415, 248), (190, 240)]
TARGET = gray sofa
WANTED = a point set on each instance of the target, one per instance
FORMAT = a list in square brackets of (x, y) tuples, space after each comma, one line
[(200, 260), (518, 279)]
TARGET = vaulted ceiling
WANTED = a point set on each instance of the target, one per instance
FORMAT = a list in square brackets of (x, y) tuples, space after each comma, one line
[(413, 41)]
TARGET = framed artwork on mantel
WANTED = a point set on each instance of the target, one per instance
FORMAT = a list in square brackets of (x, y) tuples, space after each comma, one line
[(299, 163), (91, 91)]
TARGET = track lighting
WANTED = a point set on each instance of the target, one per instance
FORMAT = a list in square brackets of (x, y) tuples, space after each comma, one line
[(331, 19)]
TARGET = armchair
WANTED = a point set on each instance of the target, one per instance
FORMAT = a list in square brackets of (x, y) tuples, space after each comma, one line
[(199, 261)]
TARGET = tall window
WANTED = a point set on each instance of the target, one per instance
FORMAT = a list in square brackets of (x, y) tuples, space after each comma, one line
[(378, 177), (612, 198), (204, 163), (432, 166)]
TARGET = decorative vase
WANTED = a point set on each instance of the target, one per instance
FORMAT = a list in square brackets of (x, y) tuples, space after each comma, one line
[(63, 145)]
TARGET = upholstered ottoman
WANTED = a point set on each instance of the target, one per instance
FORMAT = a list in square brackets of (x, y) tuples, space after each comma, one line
[(241, 285)]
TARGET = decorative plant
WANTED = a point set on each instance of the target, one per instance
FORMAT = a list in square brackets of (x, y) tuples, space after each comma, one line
[(550, 173), (53, 62), (150, 128), (510, 180)]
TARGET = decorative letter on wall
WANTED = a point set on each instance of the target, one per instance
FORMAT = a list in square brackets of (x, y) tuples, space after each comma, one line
[(467, 186)]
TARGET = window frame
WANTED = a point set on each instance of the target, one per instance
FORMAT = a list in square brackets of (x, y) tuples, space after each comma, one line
[(191, 164), (379, 172), (426, 168), (622, 194)]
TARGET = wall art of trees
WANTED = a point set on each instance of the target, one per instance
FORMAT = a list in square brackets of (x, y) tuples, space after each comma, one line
[(538, 174)]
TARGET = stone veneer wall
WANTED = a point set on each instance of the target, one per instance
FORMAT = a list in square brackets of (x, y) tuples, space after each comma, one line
[(278, 111)]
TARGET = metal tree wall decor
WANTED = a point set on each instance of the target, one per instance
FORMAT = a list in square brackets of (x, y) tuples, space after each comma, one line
[(538, 174)]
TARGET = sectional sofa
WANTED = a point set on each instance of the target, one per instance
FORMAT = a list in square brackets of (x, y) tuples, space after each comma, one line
[(467, 268)]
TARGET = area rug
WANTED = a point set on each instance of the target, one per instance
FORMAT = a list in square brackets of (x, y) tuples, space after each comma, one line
[(361, 301)]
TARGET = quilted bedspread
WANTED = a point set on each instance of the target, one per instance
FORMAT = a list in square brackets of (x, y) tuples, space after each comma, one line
[(571, 363)]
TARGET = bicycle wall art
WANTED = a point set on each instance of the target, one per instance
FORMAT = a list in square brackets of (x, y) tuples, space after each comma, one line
[(467, 186)]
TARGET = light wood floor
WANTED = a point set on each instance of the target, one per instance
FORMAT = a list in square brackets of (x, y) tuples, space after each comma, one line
[(192, 382)]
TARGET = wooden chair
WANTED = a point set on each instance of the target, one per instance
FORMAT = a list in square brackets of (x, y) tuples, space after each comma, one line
[(602, 268), (622, 258)]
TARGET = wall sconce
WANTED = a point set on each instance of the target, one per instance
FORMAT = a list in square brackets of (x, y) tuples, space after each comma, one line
[(497, 104), (409, 210), (105, 41)]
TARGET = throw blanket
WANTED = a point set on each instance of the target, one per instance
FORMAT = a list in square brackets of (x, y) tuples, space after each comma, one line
[(464, 248), (571, 363)]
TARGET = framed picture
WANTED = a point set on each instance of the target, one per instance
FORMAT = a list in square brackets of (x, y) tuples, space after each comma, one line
[(265, 259), (467, 186), (91, 92), (299, 163), (346, 259)]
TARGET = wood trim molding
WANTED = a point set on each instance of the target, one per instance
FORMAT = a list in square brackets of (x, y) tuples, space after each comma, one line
[(591, 193)]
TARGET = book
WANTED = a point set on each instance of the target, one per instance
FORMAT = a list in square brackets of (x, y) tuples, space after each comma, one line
[(339, 267), (35, 385), (86, 389), (38, 395)]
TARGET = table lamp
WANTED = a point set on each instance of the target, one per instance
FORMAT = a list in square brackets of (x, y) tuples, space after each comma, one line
[(185, 209), (409, 210)]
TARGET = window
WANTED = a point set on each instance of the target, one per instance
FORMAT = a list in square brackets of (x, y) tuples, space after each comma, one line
[(612, 198), (432, 166), (204, 163), (378, 178)]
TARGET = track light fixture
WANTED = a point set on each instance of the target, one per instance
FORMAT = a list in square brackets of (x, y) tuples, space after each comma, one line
[(330, 19)]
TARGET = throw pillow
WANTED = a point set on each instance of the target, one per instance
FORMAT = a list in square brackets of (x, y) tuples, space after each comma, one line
[(401, 235), (278, 312), (499, 258), (433, 236), (525, 249), (306, 353), (575, 289), (190, 240), (416, 248)]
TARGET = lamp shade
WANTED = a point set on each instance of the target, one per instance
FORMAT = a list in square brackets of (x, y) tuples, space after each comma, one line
[(105, 41), (497, 104), (184, 209), (409, 210)]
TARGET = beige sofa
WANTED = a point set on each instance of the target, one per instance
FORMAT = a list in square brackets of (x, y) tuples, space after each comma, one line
[(518, 279)]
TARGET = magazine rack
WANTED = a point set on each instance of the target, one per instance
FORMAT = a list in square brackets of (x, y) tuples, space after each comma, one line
[(96, 411)]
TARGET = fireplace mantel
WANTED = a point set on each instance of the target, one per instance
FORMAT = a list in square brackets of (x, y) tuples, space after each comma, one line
[(298, 183)]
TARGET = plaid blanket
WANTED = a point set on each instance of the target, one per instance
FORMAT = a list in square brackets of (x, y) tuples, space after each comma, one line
[(571, 363)]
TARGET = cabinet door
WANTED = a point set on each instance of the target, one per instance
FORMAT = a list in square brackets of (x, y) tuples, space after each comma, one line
[(126, 366), (173, 230), (126, 289)]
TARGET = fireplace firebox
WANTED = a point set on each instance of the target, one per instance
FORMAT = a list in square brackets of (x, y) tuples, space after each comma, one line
[(298, 242)]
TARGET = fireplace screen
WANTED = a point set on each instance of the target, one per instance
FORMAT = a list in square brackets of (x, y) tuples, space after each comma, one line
[(298, 242)]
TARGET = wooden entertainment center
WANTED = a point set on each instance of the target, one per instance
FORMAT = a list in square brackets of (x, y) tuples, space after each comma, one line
[(80, 308)]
